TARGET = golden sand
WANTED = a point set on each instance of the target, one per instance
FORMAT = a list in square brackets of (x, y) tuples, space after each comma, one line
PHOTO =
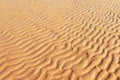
[(59, 39)]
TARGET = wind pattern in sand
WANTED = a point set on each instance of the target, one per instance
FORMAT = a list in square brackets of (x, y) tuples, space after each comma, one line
[(59, 39)]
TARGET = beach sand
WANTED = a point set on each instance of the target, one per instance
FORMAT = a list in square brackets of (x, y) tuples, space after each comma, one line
[(59, 39)]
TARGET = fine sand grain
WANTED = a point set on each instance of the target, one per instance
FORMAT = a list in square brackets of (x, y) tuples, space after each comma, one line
[(59, 39)]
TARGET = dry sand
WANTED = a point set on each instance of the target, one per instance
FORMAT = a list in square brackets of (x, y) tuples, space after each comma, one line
[(59, 39)]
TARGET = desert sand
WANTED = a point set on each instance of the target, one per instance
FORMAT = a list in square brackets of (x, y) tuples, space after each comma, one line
[(59, 39)]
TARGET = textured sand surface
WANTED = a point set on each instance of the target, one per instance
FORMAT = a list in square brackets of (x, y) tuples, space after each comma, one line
[(59, 39)]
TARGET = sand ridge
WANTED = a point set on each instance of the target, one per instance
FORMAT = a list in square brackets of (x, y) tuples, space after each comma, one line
[(59, 39)]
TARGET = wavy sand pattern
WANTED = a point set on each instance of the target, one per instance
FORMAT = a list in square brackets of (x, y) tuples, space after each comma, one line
[(59, 39)]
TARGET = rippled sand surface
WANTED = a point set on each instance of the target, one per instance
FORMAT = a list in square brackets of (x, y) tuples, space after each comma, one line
[(59, 39)]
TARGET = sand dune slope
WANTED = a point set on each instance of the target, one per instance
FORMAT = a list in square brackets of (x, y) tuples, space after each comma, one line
[(59, 39)]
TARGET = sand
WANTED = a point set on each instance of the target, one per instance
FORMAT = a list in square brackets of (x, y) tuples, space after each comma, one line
[(59, 39)]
